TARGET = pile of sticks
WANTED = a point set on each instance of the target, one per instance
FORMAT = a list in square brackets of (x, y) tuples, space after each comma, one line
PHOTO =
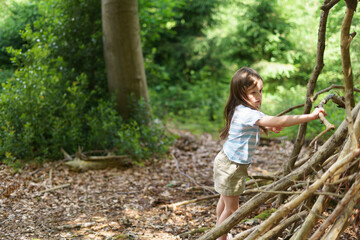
[(326, 181), (317, 194), (329, 176)]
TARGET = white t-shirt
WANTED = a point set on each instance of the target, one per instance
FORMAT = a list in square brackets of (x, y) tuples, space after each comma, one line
[(244, 135)]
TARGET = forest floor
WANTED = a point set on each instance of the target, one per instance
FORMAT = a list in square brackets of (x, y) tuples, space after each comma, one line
[(124, 203)]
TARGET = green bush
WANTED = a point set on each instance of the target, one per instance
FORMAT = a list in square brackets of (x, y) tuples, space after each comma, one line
[(57, 97), (15, 15), (41, 115)]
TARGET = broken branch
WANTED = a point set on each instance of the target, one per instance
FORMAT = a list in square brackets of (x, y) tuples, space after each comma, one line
[(55, 188)]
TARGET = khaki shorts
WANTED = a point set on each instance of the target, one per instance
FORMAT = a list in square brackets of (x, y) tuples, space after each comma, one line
[(229, 177)]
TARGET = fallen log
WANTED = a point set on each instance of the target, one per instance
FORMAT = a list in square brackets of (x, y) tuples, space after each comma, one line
[(82, 162)]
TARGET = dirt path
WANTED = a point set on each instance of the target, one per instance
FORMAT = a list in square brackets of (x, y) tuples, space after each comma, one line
[(121, 204)]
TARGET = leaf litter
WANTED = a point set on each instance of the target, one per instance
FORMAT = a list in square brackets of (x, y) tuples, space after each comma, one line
[(127, 203)]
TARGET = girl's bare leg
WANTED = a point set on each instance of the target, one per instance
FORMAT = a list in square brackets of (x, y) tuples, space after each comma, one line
[(219, 209), (228, 205)]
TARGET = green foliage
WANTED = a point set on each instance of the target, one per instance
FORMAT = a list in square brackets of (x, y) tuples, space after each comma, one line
[(57, 97), (15, 15), (42, 115), (265, 214), (187, 52), (260, 34), (184, 73), (73, 31), (277, 38)]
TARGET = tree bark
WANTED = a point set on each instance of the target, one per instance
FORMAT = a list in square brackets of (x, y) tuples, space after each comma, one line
[(123, 52), (345, 41), (288, 166)]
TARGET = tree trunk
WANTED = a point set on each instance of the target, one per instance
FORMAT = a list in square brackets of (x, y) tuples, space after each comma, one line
[(289, 165), (345, 41), (123, 53)]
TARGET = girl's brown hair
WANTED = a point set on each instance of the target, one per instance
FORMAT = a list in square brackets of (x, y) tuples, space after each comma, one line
[(243, 79)]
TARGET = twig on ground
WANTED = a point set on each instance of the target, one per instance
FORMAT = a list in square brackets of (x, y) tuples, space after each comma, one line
[(50, 177), (77, 225), (4, 221), (200, 199), (192, 180), (55, 188)]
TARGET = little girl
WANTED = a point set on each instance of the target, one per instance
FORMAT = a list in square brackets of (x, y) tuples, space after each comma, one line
[(243, 123)]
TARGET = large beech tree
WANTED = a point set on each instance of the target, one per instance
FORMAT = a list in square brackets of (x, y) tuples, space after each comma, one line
[(123, 53)]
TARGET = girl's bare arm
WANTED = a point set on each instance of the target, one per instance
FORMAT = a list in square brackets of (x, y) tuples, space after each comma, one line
[(288, 120)]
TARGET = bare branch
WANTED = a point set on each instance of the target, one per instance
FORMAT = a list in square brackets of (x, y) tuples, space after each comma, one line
[(290, 109), (328, 125), (329, 5), (319, 65)]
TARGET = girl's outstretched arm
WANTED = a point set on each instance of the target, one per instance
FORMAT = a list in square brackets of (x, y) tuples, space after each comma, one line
[(289, 120)]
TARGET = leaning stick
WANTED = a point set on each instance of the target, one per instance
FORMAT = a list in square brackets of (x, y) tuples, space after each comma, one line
[(281, 226), (336, 180), (294, 192), (286, 208), (327, 124), (341, 223), (244, 234), (339, 208), (319, 65), (310, 220)]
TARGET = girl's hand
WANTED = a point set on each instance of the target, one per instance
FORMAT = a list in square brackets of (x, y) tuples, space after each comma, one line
[(317, 111), (276, 129)]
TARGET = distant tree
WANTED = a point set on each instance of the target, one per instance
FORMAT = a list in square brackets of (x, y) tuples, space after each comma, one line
[(123, 52)]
